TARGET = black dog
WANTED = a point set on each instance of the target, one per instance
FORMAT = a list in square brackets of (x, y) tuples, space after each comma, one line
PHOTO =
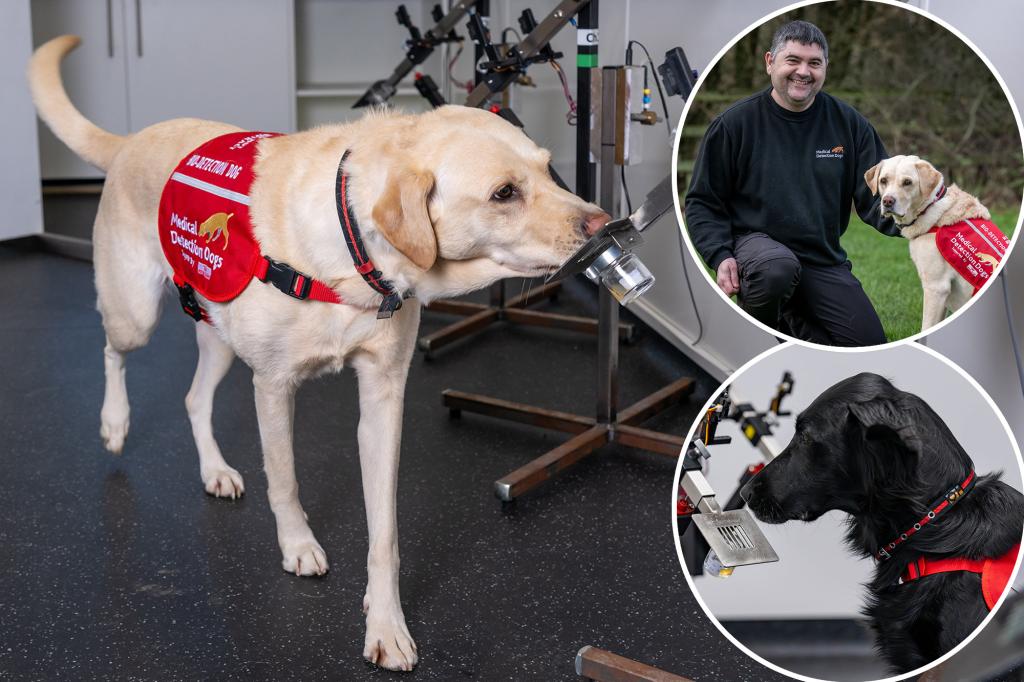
[(885, 457)]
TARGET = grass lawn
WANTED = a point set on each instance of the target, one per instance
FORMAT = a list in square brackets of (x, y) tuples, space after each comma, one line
[(883, 266)]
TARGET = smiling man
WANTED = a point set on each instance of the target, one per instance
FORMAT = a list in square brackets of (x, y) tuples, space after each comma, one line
[(771, 192)]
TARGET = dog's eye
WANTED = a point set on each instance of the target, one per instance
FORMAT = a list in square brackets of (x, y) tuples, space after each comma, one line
[(908, 182), (505, 192), (883, 182)]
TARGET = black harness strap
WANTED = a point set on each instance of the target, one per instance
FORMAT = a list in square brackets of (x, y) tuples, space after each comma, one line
[(353, 239)]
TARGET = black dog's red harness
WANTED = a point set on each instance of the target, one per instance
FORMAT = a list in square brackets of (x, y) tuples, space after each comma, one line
[(995, 572), (207, 238)]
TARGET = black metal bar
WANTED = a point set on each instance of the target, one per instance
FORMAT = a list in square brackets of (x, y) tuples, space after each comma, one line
[(608, 307), (586, 61)]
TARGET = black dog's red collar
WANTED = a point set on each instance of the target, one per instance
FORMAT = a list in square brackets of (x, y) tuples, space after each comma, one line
[(938, 195), (954, 495), (364, 266)]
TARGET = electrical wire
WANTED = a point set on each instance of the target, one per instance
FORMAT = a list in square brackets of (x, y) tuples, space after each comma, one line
[(465, 85), (571, 117), (689, 287), (625, 189), (657, 81), (519, 38)]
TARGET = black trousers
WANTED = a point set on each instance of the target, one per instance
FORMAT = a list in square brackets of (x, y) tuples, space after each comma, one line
[(822, 304)]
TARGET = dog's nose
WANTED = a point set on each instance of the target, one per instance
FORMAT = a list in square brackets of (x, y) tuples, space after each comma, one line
[(595, 223), (888, 201)]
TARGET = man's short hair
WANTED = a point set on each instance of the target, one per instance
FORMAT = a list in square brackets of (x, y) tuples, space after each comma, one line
[(803, 32)]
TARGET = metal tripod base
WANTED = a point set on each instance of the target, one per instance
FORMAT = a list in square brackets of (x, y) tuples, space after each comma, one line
[(479, 316), (589, 434)]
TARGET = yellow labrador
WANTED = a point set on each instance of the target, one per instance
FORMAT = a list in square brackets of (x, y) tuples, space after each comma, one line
[(449, 201), (915, 196)]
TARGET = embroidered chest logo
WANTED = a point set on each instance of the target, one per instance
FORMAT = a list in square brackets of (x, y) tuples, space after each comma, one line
[(836, 152), (216, 226)]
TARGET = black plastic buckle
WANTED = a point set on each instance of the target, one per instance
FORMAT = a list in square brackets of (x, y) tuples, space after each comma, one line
[(284, 276), (187, 297)]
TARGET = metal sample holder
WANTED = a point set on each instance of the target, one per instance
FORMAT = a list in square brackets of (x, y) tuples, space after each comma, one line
[(609, 424), (729, 533)]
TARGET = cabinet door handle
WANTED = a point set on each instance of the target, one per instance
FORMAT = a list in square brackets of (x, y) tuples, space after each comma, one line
[(138, 26), (110, 29)]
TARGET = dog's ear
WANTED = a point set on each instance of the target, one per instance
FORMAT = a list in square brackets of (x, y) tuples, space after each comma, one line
[(871, 177), (930, 178), (885, 419), (401, 216)]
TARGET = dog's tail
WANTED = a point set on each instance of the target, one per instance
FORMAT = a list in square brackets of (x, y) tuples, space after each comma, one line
[(89, 141)]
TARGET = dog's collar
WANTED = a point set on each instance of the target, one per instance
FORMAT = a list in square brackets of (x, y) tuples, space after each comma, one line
[(939, 192), (942, 504), (353, 239)]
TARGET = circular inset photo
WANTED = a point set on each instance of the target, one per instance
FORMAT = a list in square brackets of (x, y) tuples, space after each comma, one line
[(850, 516), (850, 173)]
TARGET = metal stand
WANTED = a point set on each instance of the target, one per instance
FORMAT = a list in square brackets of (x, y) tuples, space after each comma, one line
[(610, 425), (599, 665), (478, 316)]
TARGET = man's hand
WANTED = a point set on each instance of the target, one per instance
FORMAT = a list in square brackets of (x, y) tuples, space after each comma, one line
[(729, 276)]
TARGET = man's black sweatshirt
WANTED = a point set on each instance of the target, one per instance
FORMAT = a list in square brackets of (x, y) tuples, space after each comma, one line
[(792, 175)]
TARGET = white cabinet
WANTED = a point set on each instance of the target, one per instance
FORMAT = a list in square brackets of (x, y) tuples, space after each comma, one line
[(19, 189), (213, 59), (343, 46), (145, 61), (94, 74)]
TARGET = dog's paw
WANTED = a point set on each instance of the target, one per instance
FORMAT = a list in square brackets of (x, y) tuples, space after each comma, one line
[(224, 482), (389, 644), (113, 432), (305, 558)]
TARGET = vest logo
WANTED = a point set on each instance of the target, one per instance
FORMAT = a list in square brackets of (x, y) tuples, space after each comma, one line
[(836, 152), (988, 259), (216, 226)]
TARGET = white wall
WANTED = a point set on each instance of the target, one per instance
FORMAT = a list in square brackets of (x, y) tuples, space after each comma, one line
[(19, 163), (816, 576), (980, 339)]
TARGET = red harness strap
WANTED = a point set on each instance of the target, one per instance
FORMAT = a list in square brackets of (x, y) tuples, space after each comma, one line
[(995, 573)]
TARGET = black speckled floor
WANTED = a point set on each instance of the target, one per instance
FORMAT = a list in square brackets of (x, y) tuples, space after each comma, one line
[(122, 568)]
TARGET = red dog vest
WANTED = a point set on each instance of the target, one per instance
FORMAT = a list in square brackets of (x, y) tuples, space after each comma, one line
[(205, 229), (995, 573), (974, 248)]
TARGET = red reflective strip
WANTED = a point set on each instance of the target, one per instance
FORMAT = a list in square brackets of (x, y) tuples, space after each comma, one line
[(297, 286), (942, 505), (366, 268)]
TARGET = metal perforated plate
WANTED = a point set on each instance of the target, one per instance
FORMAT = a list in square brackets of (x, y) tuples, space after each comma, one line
[(736, 538)]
